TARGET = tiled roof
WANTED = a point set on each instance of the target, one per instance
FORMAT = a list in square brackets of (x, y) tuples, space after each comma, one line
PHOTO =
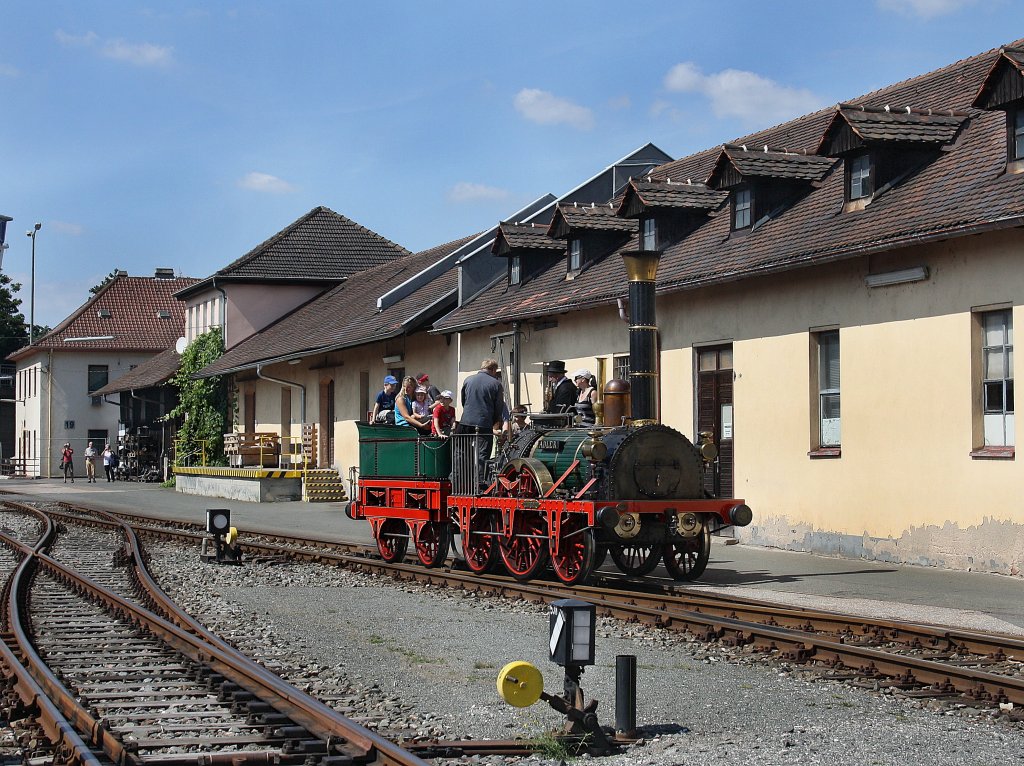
[(519, 236), (569, 218), (875, 125), (763, 162), (320, 246), (664, 193), (961, 191), (347, 316), (127, 314), (153, 372)]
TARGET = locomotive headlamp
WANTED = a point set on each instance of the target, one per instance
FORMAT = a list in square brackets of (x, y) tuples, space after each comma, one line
[(708, 450), (218, 521), (572, 626)]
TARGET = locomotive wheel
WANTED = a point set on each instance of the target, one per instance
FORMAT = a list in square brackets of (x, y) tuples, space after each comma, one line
[(433, 542), (525, 553), (577, 551), (687, 559), (636, 560), (392, 540), (480, 541)]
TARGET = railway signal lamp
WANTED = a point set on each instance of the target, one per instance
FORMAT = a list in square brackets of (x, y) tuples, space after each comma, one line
[(225, 538), (572, 630), (218, 521)]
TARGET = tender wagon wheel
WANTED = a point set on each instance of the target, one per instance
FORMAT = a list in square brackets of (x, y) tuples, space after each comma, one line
[(525, 553), (686, 559), (636, 560), (433, 542), (577, 551), (480, 541), (392, 540)]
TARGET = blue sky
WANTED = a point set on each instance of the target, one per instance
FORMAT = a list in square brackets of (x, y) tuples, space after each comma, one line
[(182, 134)]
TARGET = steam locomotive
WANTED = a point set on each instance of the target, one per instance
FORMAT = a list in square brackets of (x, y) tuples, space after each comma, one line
[(559, 495)]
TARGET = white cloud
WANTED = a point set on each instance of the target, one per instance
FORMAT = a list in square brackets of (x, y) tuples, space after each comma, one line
[(74, 229), (139, 54), (6, 70), (620, 102), (745, 95), (466, 191), (545, 108), (264, 182), (76, 41), (925, 9)]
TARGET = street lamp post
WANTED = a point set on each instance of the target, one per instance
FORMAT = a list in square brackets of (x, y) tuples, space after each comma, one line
[(32, 289)]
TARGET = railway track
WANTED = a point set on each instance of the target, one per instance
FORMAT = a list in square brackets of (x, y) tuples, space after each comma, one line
[(917, 660), (113, 680)]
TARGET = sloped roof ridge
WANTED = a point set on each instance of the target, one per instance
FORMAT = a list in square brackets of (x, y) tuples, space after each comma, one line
[(767, 148), (290, 228)]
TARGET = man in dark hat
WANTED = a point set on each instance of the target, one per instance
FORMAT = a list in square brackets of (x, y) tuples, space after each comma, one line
[(563, 390)]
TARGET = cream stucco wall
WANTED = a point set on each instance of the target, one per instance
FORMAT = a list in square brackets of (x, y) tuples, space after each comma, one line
[(60, 396), (421, 353), (905, 487)]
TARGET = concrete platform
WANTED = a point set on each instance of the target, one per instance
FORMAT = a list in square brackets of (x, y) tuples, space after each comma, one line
[(979, 601)]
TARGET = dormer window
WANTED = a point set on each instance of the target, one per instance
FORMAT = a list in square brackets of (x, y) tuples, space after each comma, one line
[(1016, 121), (859, 177), (515, 274), (742, 208), (648, 234), (575, 255)]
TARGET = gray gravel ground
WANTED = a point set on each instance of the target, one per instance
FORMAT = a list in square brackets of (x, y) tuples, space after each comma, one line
[(415, 660)]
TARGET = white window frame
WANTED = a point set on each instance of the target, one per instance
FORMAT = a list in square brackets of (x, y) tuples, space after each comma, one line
[(997, 405), (743, 208), (828, 385), (515, 273), (575, 255), (648, 234)]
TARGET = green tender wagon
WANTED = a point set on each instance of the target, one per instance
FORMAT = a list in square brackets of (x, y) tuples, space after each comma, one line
[(401, 451)]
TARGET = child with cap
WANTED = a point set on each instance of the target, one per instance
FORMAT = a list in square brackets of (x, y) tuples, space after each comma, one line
[(384, 406), (420, 404), (443, 415), (433, 394)]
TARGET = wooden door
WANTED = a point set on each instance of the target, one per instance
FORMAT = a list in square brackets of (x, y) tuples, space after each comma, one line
[(715, 414), (326, 423)]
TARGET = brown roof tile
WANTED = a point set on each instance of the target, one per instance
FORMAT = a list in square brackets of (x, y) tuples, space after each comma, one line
[(127, 314), (763, 162), (568, 218), (663, 193), (961, 191), (153, 372), (347, 316), (519, 236), (879, 125)]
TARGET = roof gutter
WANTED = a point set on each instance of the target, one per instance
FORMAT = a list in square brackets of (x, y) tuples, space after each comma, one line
[(302, 389)]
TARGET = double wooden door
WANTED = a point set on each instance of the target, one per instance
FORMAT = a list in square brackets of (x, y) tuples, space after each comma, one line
[(715, 414)]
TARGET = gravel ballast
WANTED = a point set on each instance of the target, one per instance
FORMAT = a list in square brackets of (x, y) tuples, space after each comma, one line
[(413, 660)]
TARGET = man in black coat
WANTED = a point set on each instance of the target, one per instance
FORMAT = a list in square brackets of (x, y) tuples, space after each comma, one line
[(482, 399), (563, 390)]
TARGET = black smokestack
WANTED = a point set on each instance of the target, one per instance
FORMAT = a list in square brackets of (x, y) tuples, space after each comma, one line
[(642, 269)]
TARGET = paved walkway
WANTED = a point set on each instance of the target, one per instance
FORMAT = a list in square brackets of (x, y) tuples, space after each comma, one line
[(967, 599)]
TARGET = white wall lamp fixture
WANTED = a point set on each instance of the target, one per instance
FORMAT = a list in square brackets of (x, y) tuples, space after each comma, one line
[(393, 359), (901, 277)]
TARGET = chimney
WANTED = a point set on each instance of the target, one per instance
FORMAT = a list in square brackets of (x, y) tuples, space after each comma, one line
[(162, 273), (642, 269)]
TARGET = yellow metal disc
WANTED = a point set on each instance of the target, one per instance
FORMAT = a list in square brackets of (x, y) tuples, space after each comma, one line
[(520, 684), (231, 536)]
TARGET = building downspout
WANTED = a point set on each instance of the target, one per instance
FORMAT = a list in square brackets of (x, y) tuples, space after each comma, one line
[(49, 410), (517, 365), (302, 389)]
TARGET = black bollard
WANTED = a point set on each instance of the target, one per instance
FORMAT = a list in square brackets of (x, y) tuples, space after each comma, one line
[(625, 695)]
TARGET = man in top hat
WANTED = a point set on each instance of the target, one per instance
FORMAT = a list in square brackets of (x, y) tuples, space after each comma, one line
[(563, 390)]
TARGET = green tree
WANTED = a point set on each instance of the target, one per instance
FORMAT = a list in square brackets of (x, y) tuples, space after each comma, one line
[(107, 279), (203, 403), (13, 327)]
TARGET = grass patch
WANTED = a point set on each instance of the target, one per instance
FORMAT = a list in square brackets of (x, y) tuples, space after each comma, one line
[(483, 666), (170, 483)]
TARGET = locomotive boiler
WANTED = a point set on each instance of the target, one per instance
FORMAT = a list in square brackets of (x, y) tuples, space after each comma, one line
[(556, 495)]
